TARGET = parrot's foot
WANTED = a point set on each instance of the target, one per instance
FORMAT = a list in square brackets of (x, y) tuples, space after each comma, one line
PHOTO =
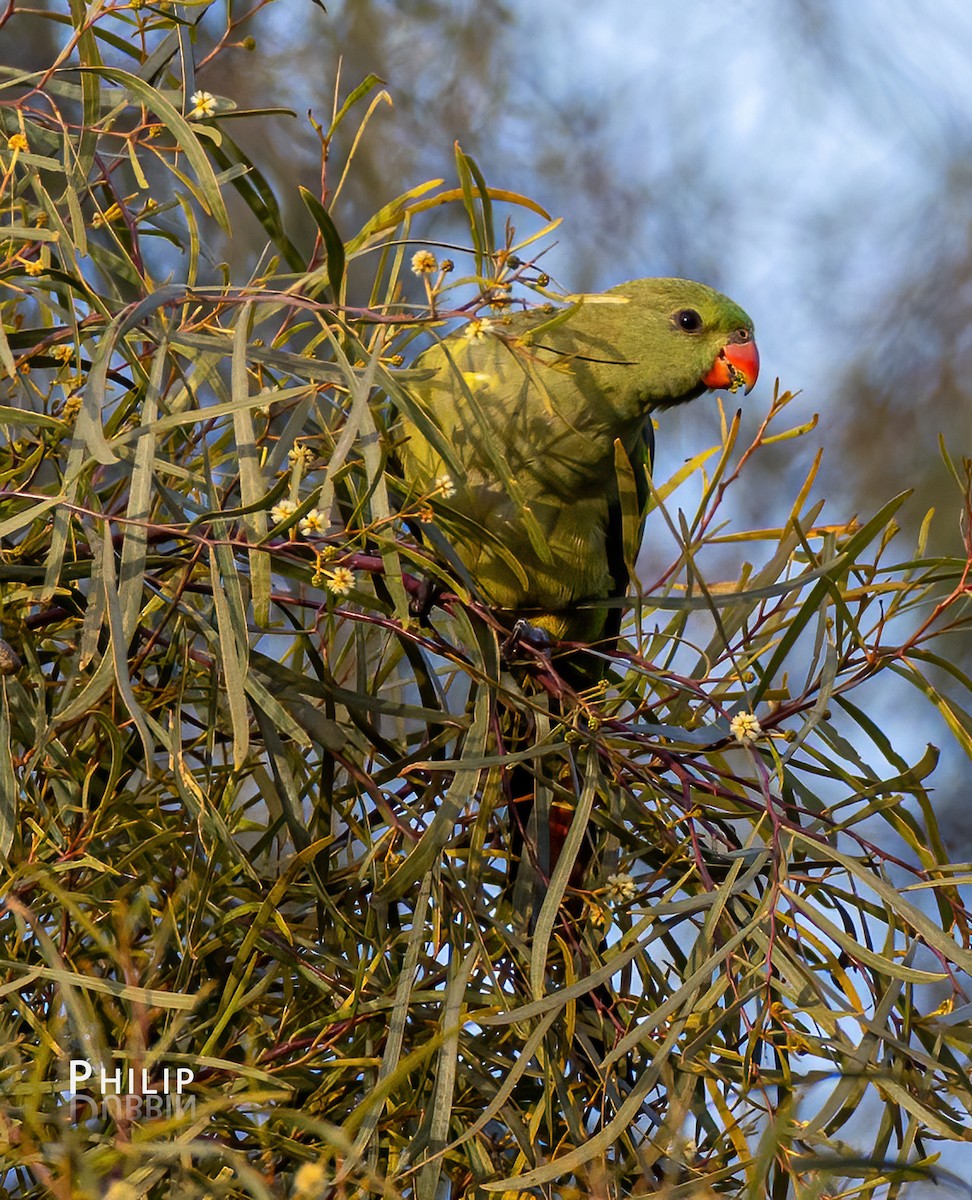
[(531, 636), (423, 598)]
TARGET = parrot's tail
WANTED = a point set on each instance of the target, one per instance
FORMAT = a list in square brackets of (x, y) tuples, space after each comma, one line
[(543, 803)]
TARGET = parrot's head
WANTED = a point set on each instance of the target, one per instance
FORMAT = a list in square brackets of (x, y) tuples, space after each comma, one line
[(685, 338)]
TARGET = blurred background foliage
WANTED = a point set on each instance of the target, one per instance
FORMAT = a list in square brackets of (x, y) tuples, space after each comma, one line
[(253, 821)]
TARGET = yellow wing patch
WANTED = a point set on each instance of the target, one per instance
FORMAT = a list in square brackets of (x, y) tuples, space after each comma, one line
[(478, 379)]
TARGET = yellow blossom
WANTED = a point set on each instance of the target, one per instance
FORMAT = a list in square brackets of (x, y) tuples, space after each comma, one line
[(477, 330), (339, 581), (619, 888), (283, 511), (424, 262), (745, 728), (17, 141), (72, 406), (313, 522), (203, 104), (300, 455), (309, 1180), (63, 353), (33, 267)]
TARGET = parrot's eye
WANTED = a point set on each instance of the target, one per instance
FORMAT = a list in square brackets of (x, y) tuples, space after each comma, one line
[(688, 319)]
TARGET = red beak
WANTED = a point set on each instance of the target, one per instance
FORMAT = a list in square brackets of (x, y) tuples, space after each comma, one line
[(737, 365)]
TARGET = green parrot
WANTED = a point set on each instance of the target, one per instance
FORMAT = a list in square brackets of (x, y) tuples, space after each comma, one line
[(518, 429), (515, 426)]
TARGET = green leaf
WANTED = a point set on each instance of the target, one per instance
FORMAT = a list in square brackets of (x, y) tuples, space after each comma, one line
[(333, 246)]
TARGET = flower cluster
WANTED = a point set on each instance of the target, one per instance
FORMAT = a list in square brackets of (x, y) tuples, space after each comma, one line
[(620, 888), (313, 522), (424, 262), (301, 456), (477, 329), (204, 104), (745, 728), (339, 580)]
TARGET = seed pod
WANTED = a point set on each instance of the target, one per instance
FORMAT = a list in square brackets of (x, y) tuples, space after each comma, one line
[(10, 662)]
